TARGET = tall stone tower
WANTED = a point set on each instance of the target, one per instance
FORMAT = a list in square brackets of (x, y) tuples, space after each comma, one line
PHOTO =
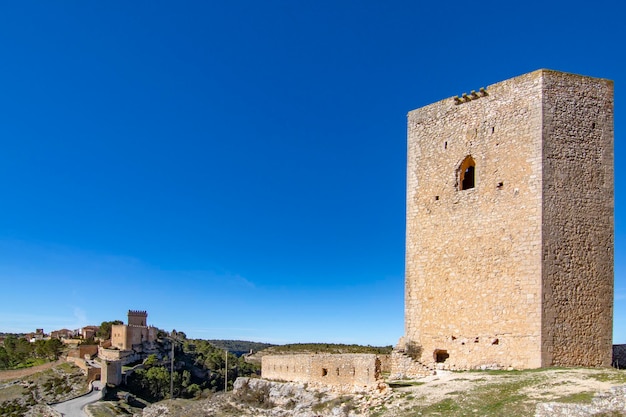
[(137, 318), (509, 246)]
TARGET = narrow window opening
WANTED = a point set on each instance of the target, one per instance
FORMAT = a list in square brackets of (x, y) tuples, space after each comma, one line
[(441, 355), (436, 197), (324, 371), (593, 125), (445, 144), (337, 371), (493, 129), (467, 174)]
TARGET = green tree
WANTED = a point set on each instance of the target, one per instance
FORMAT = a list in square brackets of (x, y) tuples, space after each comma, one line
[(158, 382), (5, 361), (53, 348), (104, 332), (151, 360)]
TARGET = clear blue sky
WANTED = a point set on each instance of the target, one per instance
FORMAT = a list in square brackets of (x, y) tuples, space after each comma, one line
[(237, 168)]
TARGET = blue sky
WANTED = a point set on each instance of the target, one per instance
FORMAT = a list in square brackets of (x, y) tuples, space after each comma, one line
[(238, 168)]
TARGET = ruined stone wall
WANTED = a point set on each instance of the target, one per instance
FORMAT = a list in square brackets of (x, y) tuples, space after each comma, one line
[(125, 356), (112, 372), (619, 356), (491, 269), (82, 350), (473, 258), (578, 220), (344, 372)]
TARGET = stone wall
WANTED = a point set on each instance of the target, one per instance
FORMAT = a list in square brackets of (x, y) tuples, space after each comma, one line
[(112, 372), (92, 373), (125, 356), (577, 220), (619, 356), (82, 350), (344, 372), (490, 267)]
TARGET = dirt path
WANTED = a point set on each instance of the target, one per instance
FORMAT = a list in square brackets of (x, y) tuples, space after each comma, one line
[(20, 373)]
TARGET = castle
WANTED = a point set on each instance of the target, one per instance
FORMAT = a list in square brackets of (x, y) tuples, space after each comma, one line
[(509, 226), (136, 332)]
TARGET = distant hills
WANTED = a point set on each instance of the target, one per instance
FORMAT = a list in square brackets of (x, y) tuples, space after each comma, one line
[(239, 347)]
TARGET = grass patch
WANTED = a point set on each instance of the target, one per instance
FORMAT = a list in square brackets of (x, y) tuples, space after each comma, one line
[(402, 384), (613, 376), (580, 397), (444, 407), (344, 402)]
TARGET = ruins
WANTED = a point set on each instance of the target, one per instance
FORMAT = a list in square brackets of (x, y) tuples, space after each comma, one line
[(343, 372)]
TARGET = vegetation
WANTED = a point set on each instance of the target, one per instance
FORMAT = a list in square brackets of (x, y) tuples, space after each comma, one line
[(104, 332), (199, 366), (497, 393), (21, 397), (18, 352), (239, 347), (327, 348)]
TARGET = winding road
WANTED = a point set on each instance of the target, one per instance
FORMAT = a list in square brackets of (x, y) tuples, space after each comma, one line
[(74, 408)]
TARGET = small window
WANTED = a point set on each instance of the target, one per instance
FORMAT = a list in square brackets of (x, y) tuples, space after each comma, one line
[(467, 173), (324, 371)]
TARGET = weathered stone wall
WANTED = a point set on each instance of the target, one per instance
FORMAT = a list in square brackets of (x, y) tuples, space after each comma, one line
[(619, 356), (119, 336), (577, 220), (92, 373), (82, 350), (476, 258), (112, 372), (125, 356), (344, 372)]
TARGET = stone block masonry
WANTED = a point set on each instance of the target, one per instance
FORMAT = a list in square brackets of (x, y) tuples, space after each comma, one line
[(343, 372), (509, 228)]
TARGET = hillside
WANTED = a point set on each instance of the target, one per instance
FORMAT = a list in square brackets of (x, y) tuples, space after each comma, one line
[(300, 348), (239, 347), (474, 393)]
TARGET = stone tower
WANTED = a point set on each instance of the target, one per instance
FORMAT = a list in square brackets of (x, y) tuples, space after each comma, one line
[(137, 318), (509, 246)]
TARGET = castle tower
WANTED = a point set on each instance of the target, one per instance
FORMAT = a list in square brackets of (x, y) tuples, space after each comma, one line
[(137, 318), (509, 228)]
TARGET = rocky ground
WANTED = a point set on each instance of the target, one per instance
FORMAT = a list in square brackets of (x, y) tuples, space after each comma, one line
[(481, 393), (27, 395)]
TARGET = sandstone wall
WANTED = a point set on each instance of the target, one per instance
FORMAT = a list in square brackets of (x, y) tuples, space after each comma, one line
[(473, 257), (345, 372), (515, 271), (577, 220), (125, 356), (112, 372), (119, 336)]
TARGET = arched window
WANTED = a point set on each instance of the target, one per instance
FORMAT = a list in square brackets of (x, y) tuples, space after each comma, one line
[(467, 173)]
